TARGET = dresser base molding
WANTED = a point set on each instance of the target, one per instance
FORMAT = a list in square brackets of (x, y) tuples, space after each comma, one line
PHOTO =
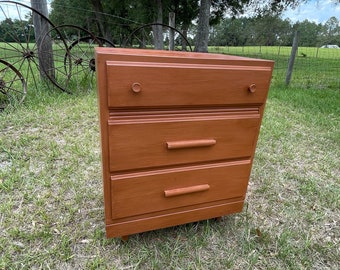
[(138, 225)]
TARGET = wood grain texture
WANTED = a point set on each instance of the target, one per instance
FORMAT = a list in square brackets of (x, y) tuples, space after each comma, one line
[(185, 190), (190, 144), (180, 216), (225, 84), (156, 56), (144, 144), (144, 192), (178, 135)]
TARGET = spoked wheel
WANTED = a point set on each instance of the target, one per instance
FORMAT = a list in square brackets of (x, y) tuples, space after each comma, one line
[(76, 65), (83, 62), (12, 85), (18, 44), (143, 37)]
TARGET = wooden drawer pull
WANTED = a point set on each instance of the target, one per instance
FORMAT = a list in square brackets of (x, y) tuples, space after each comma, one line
[(136, 87), (190, 143), (252, 88), (185, 190)]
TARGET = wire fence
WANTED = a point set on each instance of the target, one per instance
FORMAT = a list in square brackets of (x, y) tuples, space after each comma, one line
[(313, 67)]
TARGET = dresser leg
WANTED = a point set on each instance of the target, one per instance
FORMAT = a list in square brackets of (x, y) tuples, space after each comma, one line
[(125, 238)]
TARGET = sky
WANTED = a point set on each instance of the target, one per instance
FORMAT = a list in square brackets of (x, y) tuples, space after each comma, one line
[(318, 11)]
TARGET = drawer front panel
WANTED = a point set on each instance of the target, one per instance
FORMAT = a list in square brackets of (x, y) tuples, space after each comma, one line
[(161, 142), (133, 84), (137, 194)]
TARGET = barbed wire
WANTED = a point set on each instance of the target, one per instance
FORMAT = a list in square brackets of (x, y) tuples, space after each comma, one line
[(49, 2)]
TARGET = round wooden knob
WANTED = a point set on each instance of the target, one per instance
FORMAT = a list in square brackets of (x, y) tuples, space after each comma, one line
[(136, 87), (252, 88)]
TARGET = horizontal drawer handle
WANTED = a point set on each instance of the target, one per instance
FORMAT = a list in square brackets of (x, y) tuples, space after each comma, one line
[(190, 143), (185, 190)]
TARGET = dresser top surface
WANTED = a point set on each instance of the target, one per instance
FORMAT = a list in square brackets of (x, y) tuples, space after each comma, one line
[(174, 56)]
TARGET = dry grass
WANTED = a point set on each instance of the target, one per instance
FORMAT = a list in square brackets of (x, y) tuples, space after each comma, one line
[(51, 213)]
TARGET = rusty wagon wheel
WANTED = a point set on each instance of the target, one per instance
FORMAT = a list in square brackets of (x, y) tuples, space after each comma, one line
[(18, 44), (143, 38), (13, 87), (82, 55), (76, 65)]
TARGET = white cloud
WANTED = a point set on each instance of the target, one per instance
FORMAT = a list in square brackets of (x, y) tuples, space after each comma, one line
[(316, 11), (13, 11)]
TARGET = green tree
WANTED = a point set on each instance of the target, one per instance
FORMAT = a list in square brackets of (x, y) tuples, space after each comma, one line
[(232, 32), (186, 11), (114, 19), (104, 18), (235, 6), (270, 30), (12, 30), (331, 31), (260, 30), (310, 33), (77, 12)]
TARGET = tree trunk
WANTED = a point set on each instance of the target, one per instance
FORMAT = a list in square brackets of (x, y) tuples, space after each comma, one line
[(98, 8), (202, 36), (185, 29), (185, 34), (171, 31), (41, 28), (158, 29)]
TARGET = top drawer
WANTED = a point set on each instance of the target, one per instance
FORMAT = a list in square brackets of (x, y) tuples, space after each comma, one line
[(141, 84)]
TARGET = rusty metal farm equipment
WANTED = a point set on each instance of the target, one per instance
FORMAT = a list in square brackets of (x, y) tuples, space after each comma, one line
[(68, 50)]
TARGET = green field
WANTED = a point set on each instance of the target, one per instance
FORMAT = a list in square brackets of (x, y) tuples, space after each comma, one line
[(314, 67), (51, 198), (276, 50), (70, 70)]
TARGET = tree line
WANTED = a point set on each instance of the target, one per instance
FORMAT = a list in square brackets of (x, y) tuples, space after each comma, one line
[(11, 30), (272, 30), (115, 19), (201, 21)]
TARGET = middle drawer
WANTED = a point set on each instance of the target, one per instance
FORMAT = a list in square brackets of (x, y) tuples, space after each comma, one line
[(147, 143)]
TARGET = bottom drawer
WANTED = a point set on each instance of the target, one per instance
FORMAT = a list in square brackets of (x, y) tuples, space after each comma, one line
[(163, 220), (146, 192)]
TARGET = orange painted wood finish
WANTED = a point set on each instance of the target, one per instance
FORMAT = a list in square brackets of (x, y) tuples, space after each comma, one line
[(178, 135)]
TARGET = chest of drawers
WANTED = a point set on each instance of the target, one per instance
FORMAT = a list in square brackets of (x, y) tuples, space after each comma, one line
[(178, 135)]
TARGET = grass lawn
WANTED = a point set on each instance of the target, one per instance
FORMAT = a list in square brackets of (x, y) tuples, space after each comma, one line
[(51, 211), (314, 67)]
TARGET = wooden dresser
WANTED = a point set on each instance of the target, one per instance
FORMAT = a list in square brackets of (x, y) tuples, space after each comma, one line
[(178, 135)]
